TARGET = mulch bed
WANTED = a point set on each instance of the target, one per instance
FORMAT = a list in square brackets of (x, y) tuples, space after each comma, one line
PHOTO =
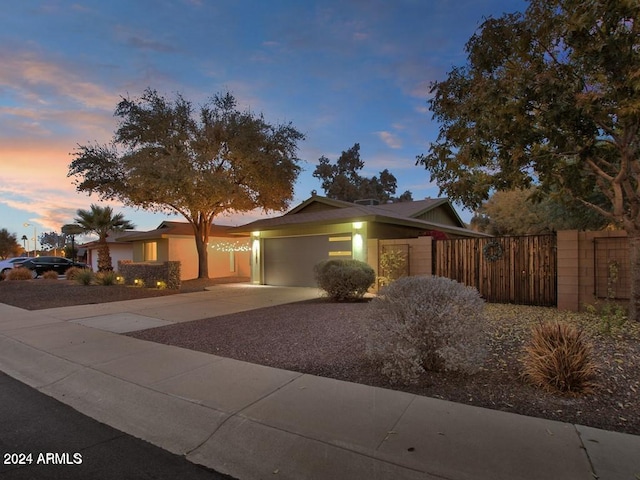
[(329, 339)]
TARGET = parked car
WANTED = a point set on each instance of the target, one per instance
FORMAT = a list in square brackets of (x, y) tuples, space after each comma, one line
[(8, 264), (39, 265)]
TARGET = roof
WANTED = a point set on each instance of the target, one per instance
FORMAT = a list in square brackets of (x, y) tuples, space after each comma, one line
[(319, 210), (174, 229), (112, 237)]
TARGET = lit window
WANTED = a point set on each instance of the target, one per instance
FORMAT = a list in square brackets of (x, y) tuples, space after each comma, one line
[(150, 251)]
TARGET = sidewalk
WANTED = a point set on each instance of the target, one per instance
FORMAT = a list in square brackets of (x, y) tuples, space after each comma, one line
[(256, 422)]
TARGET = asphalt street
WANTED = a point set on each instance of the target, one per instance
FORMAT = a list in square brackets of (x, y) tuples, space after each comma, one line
[(41, 438)]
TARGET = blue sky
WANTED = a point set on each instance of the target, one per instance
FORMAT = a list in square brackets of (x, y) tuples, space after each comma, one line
[(343, 72)]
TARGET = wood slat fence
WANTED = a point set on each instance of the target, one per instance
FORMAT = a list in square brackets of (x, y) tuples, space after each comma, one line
[(519, 269)]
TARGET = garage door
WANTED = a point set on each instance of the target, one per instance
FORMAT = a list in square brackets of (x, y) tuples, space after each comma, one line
[(289, 261)]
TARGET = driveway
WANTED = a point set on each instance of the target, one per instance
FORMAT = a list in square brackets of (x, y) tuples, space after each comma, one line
[(132, 315)]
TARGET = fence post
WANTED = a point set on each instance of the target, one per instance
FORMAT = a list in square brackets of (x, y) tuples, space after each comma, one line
[(568, 280)]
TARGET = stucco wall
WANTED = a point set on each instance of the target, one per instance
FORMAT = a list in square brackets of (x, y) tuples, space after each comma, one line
[(420, 254), (118, 252), (184, 250), (576, 267)]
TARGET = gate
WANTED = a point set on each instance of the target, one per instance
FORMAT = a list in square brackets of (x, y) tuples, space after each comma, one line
[(519, 269)]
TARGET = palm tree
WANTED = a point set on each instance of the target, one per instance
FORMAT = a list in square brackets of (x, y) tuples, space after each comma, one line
[(101, 220)]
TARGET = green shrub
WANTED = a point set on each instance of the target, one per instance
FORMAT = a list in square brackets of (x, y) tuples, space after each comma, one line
[(610, 318), (50, 275), (558, 359), (344, 279), (84, 276), (107, 277), (426, 323), (19, 274)]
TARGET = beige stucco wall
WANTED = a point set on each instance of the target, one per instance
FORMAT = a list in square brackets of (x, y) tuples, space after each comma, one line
[(420, 254), (117, 251), (576, 267), (183, 249)]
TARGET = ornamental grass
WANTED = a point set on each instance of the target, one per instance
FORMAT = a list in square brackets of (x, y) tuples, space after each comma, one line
[(558, 359)]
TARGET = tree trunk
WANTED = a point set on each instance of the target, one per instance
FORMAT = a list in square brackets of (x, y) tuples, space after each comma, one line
[(203, 257), (104, 258), (634, 263)]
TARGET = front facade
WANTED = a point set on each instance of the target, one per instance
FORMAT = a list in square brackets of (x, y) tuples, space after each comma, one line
[(118, 251), (174, 241), (285, 249)]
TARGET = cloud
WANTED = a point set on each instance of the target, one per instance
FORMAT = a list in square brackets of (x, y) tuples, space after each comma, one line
[(35, 183), (142, 40), (46, 209), (390, 139), (46, 84)]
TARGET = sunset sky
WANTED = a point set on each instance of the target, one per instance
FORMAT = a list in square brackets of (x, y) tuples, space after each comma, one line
[(343, 72)]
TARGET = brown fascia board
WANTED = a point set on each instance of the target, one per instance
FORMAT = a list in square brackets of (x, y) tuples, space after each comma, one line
[(272, 224), (174, 229)]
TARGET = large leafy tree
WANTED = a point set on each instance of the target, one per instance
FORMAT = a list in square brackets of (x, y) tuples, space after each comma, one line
[(549, 97), (9, 246), (342, 180), (520, 212), (101, 221), (168, 156)]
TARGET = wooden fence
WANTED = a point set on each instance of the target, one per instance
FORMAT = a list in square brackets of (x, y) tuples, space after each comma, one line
[(519, 269)]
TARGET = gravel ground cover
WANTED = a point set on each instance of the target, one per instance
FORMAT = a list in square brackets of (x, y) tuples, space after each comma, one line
[(40, 293), (328, 339)]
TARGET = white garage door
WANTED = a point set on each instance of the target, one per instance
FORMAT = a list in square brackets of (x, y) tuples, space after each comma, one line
[(289, 261)]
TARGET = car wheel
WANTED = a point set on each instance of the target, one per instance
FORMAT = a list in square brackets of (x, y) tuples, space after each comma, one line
[(34, 274), (4, 273)]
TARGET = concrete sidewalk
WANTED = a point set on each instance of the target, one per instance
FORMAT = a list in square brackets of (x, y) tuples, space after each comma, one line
[(256, 422)]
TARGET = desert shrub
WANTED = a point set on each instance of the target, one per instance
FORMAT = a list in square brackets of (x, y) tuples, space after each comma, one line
[(344, 279), (50, 275), (84, 276), (426, 323), (558, 359), (19, 274), (107, 277), (71, 273)]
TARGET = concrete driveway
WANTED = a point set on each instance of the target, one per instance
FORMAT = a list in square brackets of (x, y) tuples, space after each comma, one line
[(132, 315)]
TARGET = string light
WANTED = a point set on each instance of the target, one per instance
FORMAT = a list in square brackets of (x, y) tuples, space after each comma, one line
[(231, 246)]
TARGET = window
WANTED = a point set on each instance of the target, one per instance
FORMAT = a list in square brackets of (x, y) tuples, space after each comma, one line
[(150, 251)]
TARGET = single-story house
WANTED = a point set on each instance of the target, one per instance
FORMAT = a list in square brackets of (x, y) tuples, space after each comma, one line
[(174, 241), (88, 252), (285, 249)]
